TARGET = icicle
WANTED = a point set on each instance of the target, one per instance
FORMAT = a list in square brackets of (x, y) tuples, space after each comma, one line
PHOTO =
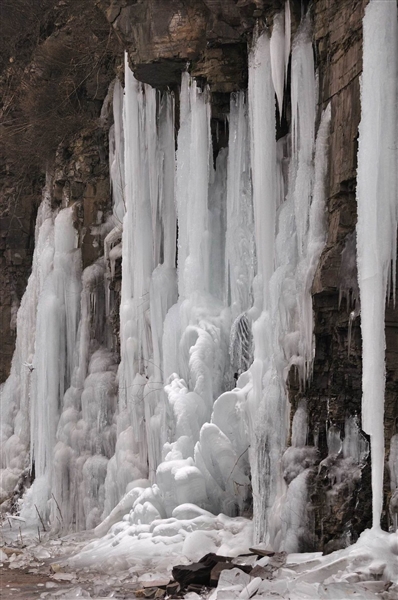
[(137, 266), (278, 61), (377, 218), (152, 166), (316, 239), (353, 315), (193, 177), (355, 445), (148, 283), (116, 155), (179, 434), (86, 431), (263, 155), (288, 34), (393, 467), (283, 333), (303, 126), (240, 246), (167, 201)]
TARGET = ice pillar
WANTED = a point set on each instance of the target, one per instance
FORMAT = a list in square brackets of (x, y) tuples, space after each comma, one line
[(377, 218)]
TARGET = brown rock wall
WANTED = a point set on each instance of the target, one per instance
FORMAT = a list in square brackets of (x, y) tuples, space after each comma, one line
[(57, 60), (162, 36), (19, 200)]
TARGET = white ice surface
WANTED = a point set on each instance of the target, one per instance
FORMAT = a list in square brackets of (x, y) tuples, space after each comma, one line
[(377, 219)]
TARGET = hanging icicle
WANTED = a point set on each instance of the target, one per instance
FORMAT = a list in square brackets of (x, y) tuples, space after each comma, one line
[(377, 219)]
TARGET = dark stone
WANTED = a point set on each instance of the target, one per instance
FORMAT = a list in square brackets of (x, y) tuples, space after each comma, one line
[(198, 573), (162, 73), (173, 588)]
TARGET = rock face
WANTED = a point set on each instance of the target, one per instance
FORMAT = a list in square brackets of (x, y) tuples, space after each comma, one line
[(18, 206), (160, 37), (335, 389), (57, 60)]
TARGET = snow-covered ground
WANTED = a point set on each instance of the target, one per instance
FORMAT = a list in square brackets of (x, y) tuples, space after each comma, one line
[(138, 555)]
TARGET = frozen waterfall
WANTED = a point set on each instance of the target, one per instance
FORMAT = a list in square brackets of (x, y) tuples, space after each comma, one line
[(230, 297), (173, 440)]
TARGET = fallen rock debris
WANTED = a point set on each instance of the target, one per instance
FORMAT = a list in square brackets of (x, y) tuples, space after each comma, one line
[(199, 576)]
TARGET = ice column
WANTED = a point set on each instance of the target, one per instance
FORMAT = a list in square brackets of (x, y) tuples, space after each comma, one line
[(137, 266), (240, 244), (265, 409), (288, 26), (15, 393), (263, 157), (58, 312), (148, 281), (303, 128), (57, 322), (86, 430), (377, 218), (116, 154), (277, 49), (289, 230), (112, 245), (193, 173)]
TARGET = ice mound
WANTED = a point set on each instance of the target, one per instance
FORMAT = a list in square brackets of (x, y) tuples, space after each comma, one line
[(153, 543), (367, 570)]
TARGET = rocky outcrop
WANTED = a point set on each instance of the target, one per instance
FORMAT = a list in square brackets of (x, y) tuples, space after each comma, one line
[(58, 58), (162, 36), (18, 206)]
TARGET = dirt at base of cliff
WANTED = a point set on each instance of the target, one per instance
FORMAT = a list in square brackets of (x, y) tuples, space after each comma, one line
[(24, 584)]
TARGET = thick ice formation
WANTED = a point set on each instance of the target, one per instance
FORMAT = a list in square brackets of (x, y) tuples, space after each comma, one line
[(377, 218), (364, 571), (283, 330), (211, 319), (238, 306), (278, 62), (15, 393), (240, 252), (179, 357), (44, 360)]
